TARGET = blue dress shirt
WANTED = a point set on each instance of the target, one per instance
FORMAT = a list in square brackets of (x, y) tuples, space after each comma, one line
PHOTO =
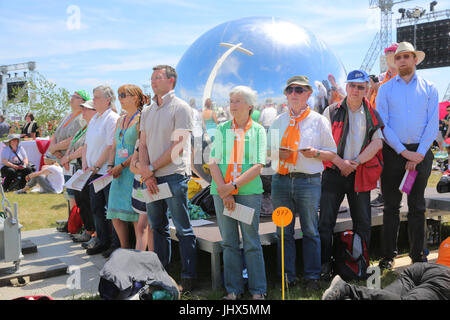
[(410, 112)]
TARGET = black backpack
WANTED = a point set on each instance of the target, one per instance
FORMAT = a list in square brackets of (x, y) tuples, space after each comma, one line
[(351, 256), (443, 185), (204, 200)]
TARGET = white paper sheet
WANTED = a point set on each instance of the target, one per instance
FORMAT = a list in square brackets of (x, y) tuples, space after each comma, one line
[(78, 180), (241, 213), (145, 196), (102, 182)]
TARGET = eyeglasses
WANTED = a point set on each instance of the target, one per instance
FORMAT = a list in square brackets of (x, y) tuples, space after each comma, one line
[(124, 95), (298, 90), (359, 87), (157, 78), (76, 97)]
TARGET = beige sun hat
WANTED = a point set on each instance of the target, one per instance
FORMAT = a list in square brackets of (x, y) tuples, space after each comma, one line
[(405, 47)]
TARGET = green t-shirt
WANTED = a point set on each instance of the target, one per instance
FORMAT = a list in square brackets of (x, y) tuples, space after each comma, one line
[(255, 152)]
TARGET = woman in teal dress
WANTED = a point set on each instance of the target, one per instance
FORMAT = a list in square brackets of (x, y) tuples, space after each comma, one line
[(120, 210)]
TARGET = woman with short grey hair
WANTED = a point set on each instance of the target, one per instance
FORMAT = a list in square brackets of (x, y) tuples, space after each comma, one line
[(248, 94), (237, 157)]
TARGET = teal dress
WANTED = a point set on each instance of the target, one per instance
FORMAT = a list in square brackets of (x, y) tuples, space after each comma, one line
[(119, 203)]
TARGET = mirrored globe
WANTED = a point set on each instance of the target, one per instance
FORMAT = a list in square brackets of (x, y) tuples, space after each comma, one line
[(260, 52)]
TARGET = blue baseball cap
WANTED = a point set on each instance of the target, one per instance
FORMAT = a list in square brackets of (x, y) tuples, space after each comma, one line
[(359, 76)]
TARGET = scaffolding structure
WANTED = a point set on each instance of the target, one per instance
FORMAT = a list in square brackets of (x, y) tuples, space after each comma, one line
[(383, 38), (13, 73)]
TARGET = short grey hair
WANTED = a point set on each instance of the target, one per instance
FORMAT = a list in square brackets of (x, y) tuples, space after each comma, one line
[(107, 92), (250, 96)]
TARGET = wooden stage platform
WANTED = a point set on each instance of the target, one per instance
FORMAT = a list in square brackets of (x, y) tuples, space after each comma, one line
[(209, 239)]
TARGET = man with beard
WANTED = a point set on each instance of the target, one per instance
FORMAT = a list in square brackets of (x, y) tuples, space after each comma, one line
[(408, 107)]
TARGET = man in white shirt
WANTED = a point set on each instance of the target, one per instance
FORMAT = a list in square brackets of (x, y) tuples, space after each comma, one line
[(98, 145), (298, 141), (268, 115), (356, 128)]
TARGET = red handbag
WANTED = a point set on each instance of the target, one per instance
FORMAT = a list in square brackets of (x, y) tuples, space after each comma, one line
[(75, 223)]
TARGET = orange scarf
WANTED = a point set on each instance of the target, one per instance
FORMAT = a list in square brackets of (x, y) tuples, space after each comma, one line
[(71, 119), (291, 140), (234, 168)]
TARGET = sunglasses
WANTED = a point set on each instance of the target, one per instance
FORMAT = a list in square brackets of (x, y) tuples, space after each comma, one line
[(359, 87), (124, 95), (404, 56), (298, 90)]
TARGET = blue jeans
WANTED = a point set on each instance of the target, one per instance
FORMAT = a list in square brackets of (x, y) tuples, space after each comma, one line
[(159, 220), (253, 254), (302, 196), (103, 227)]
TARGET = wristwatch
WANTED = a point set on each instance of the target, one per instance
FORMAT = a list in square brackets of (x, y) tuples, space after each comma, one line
[(234, 185), (97, 169), (357, 161), (317, 154), (152, 169)]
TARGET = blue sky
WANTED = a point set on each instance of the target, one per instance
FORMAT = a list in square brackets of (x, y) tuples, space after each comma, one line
[(119, 41)]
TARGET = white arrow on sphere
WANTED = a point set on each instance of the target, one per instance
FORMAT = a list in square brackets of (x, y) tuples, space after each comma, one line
[(212, 76)]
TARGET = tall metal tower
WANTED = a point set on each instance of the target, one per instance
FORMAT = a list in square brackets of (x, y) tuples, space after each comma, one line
[(383, 38)]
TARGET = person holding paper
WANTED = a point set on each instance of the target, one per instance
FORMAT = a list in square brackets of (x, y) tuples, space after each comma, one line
[(120, 210), (143, 230), (73, 156), (164, 153), (409, 107), (60, 140), (355, 169), (236, 160), (98, 144), (298, 141)]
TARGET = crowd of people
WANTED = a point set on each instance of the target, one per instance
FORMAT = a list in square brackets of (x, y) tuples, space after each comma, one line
[(342, 146)]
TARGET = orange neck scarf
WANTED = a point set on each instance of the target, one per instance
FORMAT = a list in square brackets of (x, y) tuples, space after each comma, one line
[(291, 140), (73, 117), (234, 168)]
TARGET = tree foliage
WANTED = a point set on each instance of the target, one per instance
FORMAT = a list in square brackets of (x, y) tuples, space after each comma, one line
[(43, 98)]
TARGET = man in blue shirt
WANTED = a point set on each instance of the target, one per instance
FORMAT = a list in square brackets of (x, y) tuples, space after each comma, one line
[(409, 108)]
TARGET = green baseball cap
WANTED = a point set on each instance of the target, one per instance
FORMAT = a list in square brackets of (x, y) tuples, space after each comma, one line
[(299, 80), (84, 95)]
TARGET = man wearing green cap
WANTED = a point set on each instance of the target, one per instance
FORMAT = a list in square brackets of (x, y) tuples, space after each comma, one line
[(66, 129)]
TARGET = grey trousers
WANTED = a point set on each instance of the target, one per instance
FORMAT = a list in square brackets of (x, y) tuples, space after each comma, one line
[(43, 182)]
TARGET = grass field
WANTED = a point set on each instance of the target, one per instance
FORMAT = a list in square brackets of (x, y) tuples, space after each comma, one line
[(39, 211)]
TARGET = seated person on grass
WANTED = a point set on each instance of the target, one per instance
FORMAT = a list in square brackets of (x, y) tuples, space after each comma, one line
[(50, 178)]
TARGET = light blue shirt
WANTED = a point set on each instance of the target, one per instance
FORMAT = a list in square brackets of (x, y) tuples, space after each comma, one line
[(410, 112)]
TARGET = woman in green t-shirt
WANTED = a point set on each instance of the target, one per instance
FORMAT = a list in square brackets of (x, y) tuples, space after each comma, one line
[(236, 160)]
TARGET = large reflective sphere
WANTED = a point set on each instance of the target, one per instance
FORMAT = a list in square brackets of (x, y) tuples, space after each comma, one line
[(271, 50)]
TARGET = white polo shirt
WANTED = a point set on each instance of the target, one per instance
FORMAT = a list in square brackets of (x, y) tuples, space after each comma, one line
[(99, 135), (315, 131)]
